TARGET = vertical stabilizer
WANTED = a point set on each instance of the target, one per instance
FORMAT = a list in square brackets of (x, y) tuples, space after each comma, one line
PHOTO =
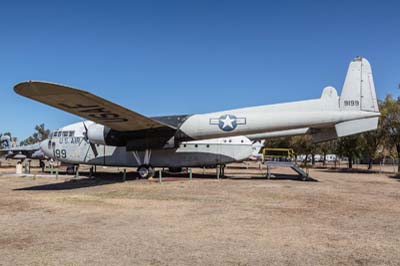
[(358, 93), (6, 142)]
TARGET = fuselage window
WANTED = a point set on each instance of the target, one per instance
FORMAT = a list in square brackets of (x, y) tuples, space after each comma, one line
[(65, 134), (208, 145), (59, 133), (71, 133), (196, 145), (242, 141), (184, 145), (230, 141)]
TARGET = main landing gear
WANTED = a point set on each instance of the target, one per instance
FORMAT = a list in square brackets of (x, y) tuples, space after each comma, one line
[(221, 170), (145, 171)]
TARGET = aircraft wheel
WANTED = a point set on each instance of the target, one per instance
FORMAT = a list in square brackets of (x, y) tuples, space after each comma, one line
[(71, 170), (152, 172), (42, 165), (145, 171)]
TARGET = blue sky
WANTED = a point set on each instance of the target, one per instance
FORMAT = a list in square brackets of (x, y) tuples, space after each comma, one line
[(183, 57)]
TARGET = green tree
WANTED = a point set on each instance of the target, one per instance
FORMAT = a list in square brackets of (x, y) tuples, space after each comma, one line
[(41, 133), (390, 126), (370, 145), (326, 148), (303, 145), (283, 142), (349, 147)]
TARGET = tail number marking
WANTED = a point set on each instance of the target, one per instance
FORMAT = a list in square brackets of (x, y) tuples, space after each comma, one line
[(351, 103)]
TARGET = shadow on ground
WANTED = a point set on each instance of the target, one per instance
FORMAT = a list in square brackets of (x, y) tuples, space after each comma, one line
[(349, 170), (397, 177), (277, 177), (82, 182), (228, 176), (102, 179)]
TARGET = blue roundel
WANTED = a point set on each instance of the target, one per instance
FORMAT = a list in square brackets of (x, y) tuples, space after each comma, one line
[(227, 122)]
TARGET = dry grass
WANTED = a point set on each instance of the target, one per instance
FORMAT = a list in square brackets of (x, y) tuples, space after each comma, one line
[(344, 219)]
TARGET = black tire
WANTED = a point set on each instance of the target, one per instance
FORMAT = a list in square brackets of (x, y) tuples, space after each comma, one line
[(71, 170), (145, 171), (151, 171)]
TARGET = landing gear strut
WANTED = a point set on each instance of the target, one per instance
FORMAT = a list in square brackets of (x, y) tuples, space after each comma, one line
[(221, 170), (42, 165), (145, 171)]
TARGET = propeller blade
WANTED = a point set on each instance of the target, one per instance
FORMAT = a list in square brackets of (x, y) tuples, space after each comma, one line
[(94, 149), (92, 145), (86, 131)]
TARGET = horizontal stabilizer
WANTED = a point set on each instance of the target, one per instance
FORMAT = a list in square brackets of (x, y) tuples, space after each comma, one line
[(356, 126), (344, 129)]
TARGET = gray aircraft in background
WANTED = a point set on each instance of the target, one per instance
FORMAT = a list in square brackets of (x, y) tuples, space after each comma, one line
[(11, 151), (116, 136)]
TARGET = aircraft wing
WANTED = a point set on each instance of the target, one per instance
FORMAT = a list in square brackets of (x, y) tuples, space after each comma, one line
[(87, 105), (31, 147), (21, 152)]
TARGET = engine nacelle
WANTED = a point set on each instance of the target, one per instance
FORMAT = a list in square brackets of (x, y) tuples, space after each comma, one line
[(95, 134), (132, 140)]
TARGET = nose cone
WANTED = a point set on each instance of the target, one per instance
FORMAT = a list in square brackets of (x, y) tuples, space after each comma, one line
[(45, 147)]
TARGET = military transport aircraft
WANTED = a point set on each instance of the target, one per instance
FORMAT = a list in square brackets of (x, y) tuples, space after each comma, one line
[(116, 136)]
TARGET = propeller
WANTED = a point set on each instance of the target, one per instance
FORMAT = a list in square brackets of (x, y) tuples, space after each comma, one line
[(92, 145)]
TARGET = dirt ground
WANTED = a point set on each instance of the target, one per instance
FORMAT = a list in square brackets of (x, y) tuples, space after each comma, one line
[(342, 219)]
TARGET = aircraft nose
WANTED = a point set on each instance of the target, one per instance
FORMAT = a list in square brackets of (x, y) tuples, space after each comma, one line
[(44, 146)]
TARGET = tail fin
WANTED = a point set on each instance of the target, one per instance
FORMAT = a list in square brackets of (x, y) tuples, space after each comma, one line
[(358, 93), (6, 142)]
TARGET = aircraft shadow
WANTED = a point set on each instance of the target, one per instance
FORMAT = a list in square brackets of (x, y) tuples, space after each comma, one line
[(348, 170), (100, 179), (397, 177), (277, 177), (213, 176)]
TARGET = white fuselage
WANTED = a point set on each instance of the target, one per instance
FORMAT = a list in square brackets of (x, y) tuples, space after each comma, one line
[(317, 113), (69, 145)]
